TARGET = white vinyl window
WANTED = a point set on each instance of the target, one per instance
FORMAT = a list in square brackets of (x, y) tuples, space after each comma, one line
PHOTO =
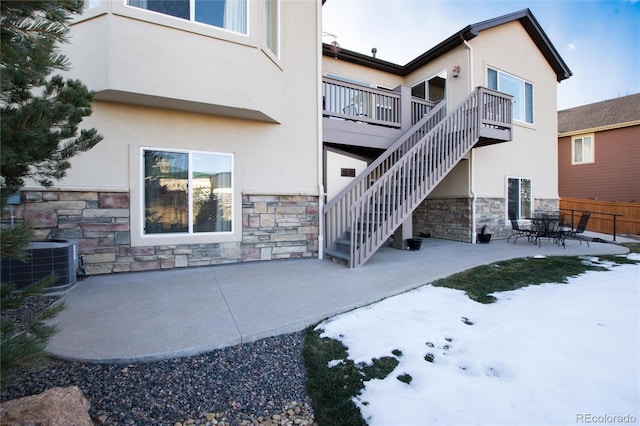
[(272, 26), (228, 14), (187, 192), (582, 149), (521, 90), (519, 198)]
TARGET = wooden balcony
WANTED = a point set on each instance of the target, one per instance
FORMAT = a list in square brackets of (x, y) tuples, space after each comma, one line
[(365, 116)]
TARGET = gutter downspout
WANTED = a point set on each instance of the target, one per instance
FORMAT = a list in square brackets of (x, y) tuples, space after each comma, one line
[(320, 136), (472, 192)]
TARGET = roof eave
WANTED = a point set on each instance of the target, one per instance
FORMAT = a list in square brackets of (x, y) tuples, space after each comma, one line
[(525, 17), (361, 59)]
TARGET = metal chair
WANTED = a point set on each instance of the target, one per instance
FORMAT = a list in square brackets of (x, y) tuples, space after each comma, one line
[(518, 230), (574, 233)]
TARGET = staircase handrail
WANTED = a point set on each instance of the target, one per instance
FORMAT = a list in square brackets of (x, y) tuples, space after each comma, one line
[(377, 168), (394, 195)]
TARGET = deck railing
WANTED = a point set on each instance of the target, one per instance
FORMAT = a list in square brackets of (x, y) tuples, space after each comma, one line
[(369, 105), (337, 211), (497, 109), (420, 108), (377, 202)]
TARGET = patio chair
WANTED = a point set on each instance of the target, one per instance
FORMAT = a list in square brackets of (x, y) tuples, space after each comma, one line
[(575, 233), (518, 230)]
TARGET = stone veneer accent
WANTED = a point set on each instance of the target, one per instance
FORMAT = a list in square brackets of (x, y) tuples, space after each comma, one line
[(449, 218), (446, 218), (273, 227), (279, 227), (491, 212)]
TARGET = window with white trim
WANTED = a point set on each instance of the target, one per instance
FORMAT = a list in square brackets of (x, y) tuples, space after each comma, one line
[(519, 198), (228, 14), (187, 192), (272, 27), (90, 4), (521, 90), (582, 149)]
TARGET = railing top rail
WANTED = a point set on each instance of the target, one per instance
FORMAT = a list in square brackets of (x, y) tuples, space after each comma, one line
[(416, 147), (495, 92), (592, 212), (383, 92), (382, 158), (423, 101)]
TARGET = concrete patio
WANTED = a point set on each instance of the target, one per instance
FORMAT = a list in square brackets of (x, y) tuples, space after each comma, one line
[(148, 316)]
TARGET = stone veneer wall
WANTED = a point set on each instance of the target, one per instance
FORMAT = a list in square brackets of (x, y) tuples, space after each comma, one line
[(446, 218), (491, 212), (273, 227), (546, 204), (449, 218)]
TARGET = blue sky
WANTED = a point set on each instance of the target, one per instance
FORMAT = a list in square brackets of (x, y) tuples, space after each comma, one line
[(599, 40)]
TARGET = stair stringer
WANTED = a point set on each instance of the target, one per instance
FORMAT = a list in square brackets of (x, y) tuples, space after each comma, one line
[(337, 211), (393, 197)]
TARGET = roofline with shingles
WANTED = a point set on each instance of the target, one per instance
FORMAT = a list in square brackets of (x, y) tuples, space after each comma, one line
[(598, 116), (599, 129)]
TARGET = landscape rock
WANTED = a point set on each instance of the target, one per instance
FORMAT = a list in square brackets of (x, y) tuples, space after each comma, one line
[(53, 407)]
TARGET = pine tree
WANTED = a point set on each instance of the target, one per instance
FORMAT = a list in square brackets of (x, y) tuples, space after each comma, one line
[(39, 115), (39, 119)]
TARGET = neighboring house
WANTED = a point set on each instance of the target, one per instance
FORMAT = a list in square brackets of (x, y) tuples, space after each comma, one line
[(599, 150), (225, 128)]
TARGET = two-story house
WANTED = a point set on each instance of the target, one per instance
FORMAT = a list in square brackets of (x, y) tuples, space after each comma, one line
[(232, 134), (468, 129)]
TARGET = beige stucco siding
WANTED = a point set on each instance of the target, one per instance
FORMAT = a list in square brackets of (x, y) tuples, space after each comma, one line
[(271, 158), (358, 72), (457, 87), (532, 153), (168, 87), (130, 55), (335, 162), (180, 66)]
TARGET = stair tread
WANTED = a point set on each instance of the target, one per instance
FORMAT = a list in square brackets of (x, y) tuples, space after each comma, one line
[(338, 254)]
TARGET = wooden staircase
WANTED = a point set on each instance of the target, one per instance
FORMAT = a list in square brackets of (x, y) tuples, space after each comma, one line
[(362, 217)]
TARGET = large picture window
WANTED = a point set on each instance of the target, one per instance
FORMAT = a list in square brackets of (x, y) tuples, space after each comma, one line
[(519, 198), (187, 192), (228, 14), (582, 149), (521, 90)]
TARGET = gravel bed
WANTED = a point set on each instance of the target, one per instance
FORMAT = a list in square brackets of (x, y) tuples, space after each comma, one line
[(254, 383)]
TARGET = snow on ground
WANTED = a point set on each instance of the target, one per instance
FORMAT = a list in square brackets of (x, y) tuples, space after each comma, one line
[(554, 354)]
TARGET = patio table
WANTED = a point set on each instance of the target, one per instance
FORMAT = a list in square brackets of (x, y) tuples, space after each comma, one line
[(544, 226)]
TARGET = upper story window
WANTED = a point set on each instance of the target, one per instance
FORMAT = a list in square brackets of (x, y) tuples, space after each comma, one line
[(228, 14), (582, 149), (521, 90), (273, 26), (187, 192)]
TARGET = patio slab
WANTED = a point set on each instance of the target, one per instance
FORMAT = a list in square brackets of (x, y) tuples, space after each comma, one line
[(147, 316)]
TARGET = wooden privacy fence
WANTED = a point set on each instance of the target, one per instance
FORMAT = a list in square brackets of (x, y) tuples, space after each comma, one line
[(627, 215)]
